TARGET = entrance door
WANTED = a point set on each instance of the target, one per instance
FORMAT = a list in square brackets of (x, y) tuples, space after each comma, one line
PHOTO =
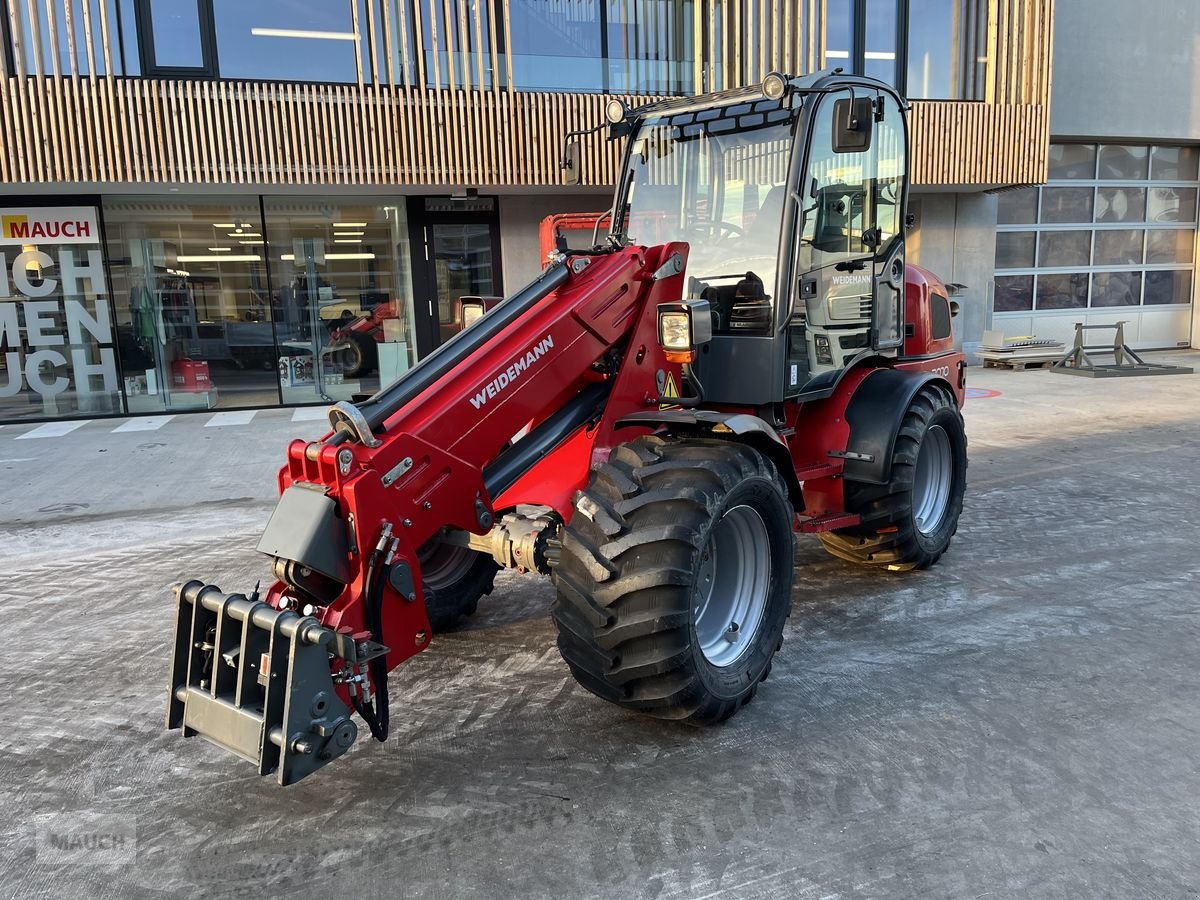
[(456, 246)]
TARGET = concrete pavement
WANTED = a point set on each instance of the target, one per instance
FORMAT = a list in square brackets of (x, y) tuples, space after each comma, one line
[(1020, 720)]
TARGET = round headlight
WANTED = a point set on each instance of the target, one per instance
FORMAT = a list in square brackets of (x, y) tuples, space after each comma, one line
[(614, 110), (773, 86)]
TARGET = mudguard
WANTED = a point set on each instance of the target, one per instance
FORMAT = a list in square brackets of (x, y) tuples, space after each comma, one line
[(874, 414)]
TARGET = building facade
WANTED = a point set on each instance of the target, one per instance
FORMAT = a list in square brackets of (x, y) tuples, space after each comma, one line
[(201, 195), (1111, 236)]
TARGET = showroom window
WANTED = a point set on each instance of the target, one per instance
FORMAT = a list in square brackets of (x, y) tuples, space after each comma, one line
[(195, 315), (1114, 227), (342, 278), (58, 332)]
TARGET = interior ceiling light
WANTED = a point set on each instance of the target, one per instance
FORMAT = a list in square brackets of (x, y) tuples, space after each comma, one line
[(226, 225), (338, 234), (246, 257), (289, 257), (349, 224), (304, 33), (347, 241), (220, 249), (249, 242)]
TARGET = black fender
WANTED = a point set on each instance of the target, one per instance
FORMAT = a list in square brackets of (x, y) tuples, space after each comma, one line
[(750, 430), (875, 412)]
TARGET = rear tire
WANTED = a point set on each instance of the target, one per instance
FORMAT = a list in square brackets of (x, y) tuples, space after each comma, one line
[(454, 578), (908, 522), (674, 577)]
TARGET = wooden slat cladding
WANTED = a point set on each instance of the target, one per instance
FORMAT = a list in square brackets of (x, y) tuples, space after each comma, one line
[(183, 132), (434, 103)]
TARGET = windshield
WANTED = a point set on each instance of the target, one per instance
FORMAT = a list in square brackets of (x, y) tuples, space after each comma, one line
[(717, 179)]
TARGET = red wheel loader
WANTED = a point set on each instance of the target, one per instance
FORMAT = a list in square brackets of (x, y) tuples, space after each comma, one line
[(745, 355)]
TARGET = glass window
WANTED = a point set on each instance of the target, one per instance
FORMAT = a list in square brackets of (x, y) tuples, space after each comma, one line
[(1171, 205), (947, 49), (1124, 162), (285, 40), (1115, 204), (839, 34), (1014, 250), (193, 304), (1064, 205), (721, 185), (457, 46), (1064, 248), (1118, 247), (1174, 163), (1168, 287), (1014, 293), (651, 46), (1116, 289), (1142, 242), (58, 336), (1170, 245), (880, 55), (341, 275), (1062, 291), (175, 34), (55, 38), (1018, 207), (1072, 161), (556, 46), (837, 201)]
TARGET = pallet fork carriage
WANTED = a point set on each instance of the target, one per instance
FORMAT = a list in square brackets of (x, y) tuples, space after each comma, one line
[(745, 355)]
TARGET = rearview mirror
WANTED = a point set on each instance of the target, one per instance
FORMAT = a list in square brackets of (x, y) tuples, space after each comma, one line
[(853, 119), (570, 163)]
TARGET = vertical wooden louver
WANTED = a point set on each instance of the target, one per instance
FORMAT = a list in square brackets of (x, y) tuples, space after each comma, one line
[(434, 101)]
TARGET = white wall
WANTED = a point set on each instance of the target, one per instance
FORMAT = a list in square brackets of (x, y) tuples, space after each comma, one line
[(955, 238), (520, 216), (1126, 68)]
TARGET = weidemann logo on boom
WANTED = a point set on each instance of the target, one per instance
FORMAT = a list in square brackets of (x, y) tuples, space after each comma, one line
[(509, 375)]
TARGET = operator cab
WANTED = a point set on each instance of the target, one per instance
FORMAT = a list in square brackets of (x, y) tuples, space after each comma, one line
[(791, 197)]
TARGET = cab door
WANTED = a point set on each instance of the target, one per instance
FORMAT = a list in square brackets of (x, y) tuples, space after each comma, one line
[(849, 245), (889, 189)]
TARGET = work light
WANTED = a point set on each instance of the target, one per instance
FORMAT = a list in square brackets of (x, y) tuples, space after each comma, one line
[(470, 311), (682, 327), (615, 110), (774, 86)]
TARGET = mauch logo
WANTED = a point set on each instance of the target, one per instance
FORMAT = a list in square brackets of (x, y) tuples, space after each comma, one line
[(513, 372), (51, 225)]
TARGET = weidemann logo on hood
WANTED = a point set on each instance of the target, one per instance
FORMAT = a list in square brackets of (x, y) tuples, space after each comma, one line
[(513, 372)]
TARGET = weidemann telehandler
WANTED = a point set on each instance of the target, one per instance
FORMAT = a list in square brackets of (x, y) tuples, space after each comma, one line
[(745, 355)]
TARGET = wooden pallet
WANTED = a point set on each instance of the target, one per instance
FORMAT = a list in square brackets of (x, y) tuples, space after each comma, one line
[(1019, 363)]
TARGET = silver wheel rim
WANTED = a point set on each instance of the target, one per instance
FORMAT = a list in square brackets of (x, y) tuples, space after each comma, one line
[(443, 564), (933, 481), (732, 585)]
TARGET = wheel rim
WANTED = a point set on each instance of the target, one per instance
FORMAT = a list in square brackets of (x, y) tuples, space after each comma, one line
[(442, 564), (933, 482), (733, 582)]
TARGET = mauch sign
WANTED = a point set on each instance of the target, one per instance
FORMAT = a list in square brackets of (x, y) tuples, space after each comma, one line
[(49, 225), (56, 325)]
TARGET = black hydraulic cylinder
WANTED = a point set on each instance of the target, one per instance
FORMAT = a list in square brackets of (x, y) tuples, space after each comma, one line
[(518, 459), (387, 401)]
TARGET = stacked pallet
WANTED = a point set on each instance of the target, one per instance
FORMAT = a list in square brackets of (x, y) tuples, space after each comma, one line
[(998, 350)]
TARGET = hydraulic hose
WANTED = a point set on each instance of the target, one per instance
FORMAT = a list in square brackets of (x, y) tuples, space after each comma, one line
[(375, 714)]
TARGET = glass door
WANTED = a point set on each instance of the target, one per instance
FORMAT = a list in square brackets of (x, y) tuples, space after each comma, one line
[(458, 254)]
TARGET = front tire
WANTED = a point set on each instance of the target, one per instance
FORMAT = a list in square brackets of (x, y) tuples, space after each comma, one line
[(674, 578), (908, 522)]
